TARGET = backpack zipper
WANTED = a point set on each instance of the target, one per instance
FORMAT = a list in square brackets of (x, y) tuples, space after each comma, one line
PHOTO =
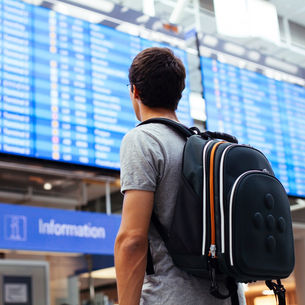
[(222, 223), (204, 196), (212, 252)]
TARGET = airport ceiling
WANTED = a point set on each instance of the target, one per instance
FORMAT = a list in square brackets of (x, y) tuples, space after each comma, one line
[(291, 50), (294, 10)]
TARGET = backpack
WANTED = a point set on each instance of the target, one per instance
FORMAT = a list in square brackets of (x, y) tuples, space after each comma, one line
[(232, 217)]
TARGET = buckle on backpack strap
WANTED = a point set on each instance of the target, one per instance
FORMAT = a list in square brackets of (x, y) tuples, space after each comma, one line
[(212, 275), (279, 291), (214, 289)]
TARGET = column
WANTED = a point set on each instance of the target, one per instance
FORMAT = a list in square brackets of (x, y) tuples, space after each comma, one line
[(73, 290)]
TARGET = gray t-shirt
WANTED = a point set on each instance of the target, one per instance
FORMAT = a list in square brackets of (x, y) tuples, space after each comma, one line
[(151, 158)]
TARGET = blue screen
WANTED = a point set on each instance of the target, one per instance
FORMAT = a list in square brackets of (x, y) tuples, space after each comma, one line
[(260, 111), (63, 86)]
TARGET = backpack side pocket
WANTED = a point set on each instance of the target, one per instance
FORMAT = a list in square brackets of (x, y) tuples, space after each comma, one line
[(260, 228)]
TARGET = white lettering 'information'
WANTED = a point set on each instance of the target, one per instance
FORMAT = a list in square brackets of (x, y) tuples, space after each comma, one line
[(70, 230)]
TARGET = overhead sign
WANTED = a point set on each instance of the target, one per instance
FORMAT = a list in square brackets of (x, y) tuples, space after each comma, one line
[(63, 86), (261, 111), (45, 229)]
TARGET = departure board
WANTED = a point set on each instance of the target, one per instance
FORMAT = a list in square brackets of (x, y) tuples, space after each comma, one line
[(261, 111), (63, 86)]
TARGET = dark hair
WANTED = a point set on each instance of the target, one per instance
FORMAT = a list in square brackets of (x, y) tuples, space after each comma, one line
[(159, 77)]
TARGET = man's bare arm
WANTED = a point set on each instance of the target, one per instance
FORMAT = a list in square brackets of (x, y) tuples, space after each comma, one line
[(131, 245)]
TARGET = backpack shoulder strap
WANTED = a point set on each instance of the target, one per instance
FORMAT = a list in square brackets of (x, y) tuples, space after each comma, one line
[(187, 132), (163, 234), (180, 128), (278, 289)]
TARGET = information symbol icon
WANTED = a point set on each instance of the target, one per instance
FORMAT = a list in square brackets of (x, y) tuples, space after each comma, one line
[(15, 227)]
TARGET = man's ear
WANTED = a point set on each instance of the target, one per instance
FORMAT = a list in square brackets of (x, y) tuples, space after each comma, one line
[(135, 92)]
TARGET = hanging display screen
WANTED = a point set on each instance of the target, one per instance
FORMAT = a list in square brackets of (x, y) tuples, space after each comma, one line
[(63, 86), (260, 111)]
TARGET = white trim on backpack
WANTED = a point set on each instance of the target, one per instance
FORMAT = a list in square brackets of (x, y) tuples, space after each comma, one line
[(222, 221), (231, 210), (204, 197)]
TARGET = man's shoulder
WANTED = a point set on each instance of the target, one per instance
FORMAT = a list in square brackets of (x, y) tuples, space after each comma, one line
[(139, 134), (155, 131)]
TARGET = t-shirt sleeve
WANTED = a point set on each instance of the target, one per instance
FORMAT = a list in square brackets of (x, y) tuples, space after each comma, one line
[(142, 161)]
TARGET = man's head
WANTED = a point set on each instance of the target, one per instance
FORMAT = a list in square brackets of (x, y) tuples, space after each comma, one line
[(159, 78)]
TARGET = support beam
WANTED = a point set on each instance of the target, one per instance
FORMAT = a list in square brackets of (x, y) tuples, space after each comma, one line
[(148, 7), (178, 11), (68, 174), (187, 8), (73, 291), (84, 192), (108, 198), (40, 199), (287, 31), (196, 6)]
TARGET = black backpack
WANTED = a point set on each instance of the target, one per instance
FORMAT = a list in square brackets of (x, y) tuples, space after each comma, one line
[(232, 217)]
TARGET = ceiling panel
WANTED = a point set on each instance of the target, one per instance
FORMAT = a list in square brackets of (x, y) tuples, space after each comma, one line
[(299, 18), (294, 9)]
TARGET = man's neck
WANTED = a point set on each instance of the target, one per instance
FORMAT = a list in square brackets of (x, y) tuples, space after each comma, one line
[(149, 113)]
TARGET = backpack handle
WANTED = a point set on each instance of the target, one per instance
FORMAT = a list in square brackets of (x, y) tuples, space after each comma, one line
[(219, 135)]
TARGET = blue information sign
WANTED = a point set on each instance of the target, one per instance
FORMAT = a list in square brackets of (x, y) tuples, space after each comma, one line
[(45, 229), (63, 86), (260, 111)]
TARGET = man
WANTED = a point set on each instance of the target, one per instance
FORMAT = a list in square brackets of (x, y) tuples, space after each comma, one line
[(151, 157)]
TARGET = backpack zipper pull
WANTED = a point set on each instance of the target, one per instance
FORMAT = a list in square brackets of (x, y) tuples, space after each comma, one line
[(213, 251)]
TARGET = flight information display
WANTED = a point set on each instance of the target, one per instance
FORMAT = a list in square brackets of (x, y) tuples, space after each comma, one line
[(63, 86), (263, 112)]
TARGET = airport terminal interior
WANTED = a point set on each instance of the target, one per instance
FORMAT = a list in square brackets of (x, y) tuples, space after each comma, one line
[(65, 108)]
